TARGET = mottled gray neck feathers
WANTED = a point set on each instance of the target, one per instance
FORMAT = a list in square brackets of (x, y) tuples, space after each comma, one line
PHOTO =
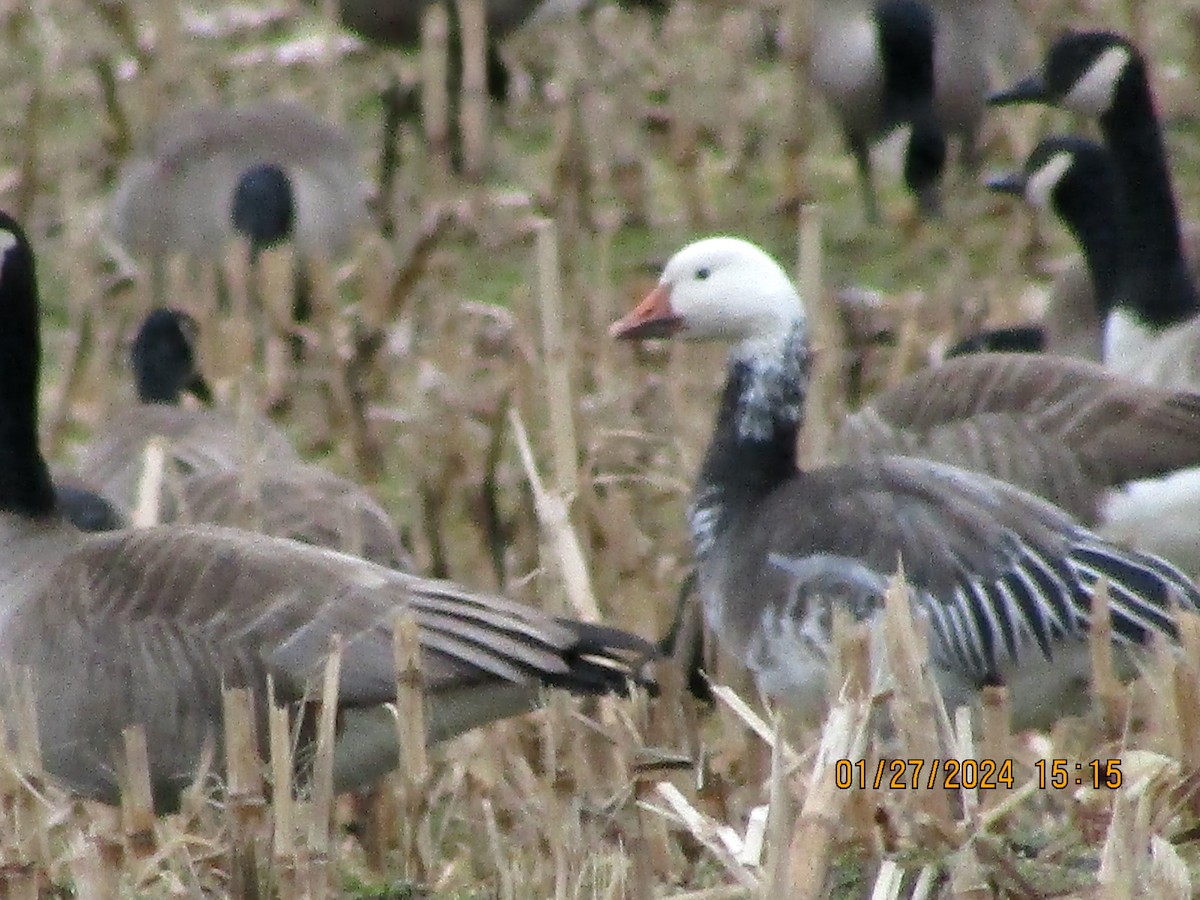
[(753, 447), (771, 393)]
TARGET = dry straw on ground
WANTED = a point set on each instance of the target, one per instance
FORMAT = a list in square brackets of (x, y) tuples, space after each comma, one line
[(462, 370)]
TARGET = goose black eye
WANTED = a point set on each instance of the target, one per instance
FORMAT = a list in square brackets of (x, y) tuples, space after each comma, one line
[(702, 274)]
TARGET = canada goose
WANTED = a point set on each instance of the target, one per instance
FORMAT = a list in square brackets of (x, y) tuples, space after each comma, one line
[(1075, 178), (146, 626), (874, 63), (1003, 578), (1101, 74), (199, 440), (179, 195), (884, 63), (272, 491)]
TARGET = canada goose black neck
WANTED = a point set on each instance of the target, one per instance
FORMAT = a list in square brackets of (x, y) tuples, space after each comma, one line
[(163, 359), (264, 207), (1156, 269), (1102, 74), (25, 485), (906, 32), (906, 35), (1087, 200)]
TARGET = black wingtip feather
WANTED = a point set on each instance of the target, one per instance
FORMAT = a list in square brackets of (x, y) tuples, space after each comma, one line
[(605, 660), (1142, 588)]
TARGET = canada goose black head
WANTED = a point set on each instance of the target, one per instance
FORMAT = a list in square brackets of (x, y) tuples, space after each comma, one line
[(1088, 72), (264, 206), (1059, 172), (25, 485), (163, 359), (1076, 180)]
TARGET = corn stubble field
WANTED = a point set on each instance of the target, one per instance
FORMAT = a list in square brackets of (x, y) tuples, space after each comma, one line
[(447, 359)]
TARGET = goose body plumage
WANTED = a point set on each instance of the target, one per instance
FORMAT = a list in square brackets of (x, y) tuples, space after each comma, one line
[(1065, 429), (146, 626), (1003, 578)]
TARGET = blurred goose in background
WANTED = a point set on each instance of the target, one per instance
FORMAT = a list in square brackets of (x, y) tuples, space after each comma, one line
[(147, 626), (874, 63), (1003, 579), (1101, 74), (163, 360), (265, 174), (886, 63), (265, 488), (180, 196)]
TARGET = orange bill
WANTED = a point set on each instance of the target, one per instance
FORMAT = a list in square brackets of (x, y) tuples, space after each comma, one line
[(652, 318)]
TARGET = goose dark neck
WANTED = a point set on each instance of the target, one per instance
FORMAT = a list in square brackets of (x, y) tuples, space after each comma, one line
[(906, 36), (1095, 219), (25, 485), (152, 387), (163, 359), (1159, 290), (753, 447)]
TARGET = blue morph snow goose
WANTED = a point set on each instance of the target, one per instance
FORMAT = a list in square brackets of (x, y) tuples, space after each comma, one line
[(1004, 579)]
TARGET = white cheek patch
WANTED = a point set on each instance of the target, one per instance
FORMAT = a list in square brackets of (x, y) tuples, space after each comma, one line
[(1041, 184), (1093, 93)]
